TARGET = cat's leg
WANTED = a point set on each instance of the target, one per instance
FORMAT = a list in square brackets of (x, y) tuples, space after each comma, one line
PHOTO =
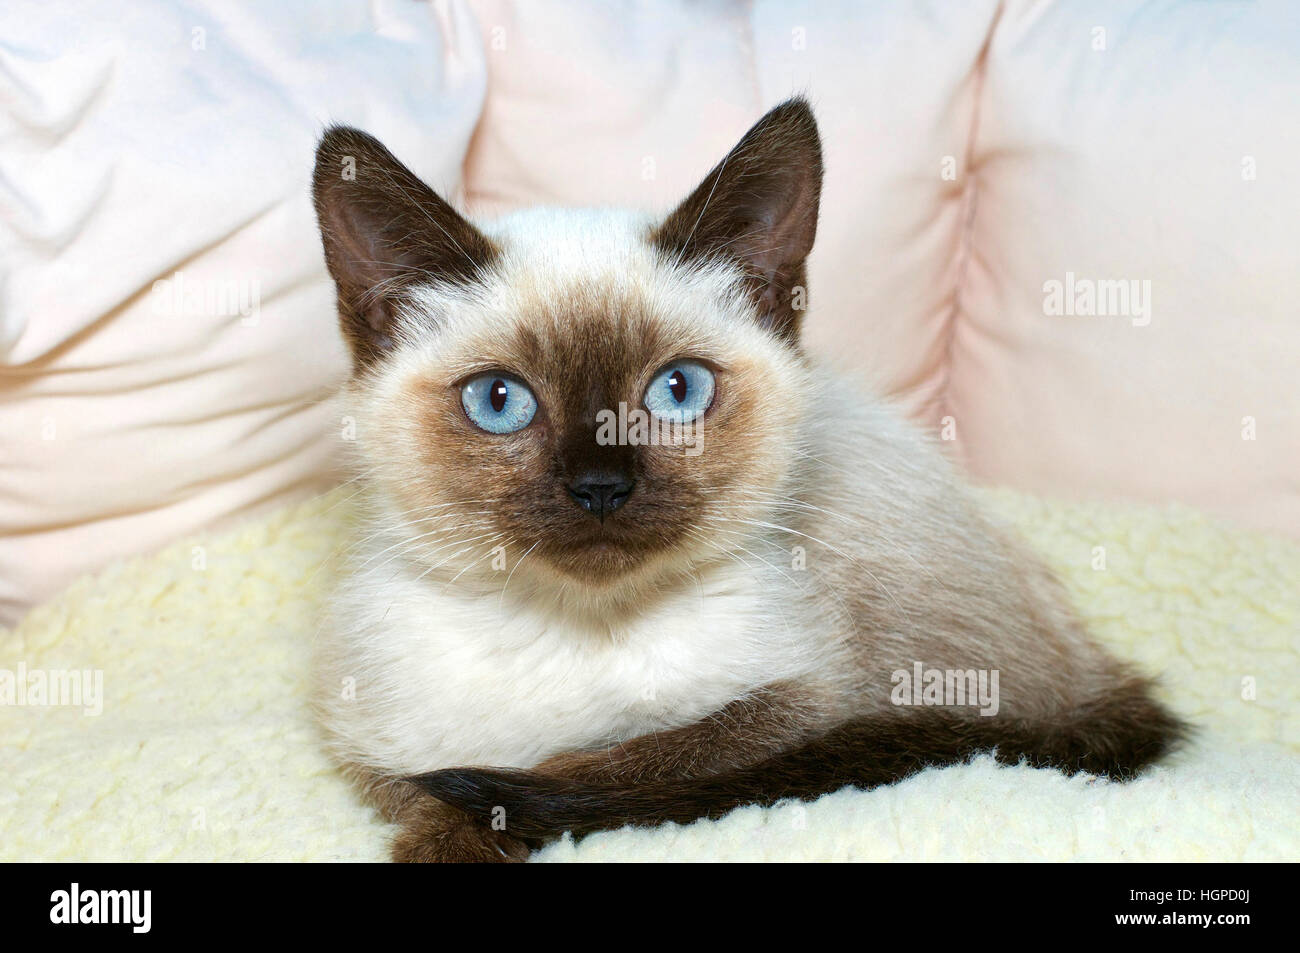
[(1115, 735), (434, 832), (743, 733), (437, 833)]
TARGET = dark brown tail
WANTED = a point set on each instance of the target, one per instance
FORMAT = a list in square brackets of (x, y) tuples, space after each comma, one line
[(1114, 739)]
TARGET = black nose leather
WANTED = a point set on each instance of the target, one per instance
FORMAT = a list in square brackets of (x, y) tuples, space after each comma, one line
[(600, 492)]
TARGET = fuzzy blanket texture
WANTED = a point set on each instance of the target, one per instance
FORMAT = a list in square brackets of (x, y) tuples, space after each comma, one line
[(205, 748)]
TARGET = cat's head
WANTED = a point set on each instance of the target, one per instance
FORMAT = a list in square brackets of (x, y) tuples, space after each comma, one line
[(606, 393)]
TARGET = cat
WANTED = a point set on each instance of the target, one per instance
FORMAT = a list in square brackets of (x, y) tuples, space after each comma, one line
[(549, 624)]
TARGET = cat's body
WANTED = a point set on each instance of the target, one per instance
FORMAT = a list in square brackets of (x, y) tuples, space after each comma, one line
[(745, 601)]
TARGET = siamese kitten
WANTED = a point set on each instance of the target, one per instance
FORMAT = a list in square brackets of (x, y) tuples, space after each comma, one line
[(630, 630)]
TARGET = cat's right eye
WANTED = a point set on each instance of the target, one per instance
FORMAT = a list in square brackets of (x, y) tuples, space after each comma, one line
[(498, 403)]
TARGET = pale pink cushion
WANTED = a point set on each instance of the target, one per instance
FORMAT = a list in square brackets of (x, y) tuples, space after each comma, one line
[(162, 138), (1168, 157)]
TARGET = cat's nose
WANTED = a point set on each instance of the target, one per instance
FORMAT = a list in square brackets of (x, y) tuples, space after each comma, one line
[(600, 492)]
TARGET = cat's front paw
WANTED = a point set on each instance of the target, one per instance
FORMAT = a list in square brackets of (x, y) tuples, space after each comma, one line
[(447, 836)]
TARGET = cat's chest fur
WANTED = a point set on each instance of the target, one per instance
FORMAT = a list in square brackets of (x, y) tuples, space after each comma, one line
[(418, 678)]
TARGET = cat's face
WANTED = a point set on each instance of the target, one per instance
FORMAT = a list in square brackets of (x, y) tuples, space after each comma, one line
[(564, 340), (604, 393)]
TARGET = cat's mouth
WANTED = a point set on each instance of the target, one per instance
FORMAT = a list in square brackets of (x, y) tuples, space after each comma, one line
[(602, 554)]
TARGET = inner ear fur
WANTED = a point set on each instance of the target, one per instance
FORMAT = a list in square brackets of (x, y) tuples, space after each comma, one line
[(758, 208)]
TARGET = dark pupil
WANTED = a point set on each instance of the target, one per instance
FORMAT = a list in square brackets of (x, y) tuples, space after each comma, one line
[(677, 384), (497, 395)]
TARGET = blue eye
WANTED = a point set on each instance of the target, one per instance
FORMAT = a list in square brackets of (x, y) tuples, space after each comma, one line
[(680, 392), (498, 403)]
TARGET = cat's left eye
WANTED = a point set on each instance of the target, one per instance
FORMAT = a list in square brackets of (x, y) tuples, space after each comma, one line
[(680, 392), (498, 403)]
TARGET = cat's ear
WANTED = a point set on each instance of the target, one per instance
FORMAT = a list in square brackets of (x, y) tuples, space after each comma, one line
[(384, 231), (758, 207)]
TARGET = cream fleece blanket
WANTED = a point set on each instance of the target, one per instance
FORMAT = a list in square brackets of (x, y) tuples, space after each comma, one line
[(205, 749)]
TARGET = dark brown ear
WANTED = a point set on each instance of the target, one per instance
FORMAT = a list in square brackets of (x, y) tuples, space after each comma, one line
[(384, 231), (758, 207)]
